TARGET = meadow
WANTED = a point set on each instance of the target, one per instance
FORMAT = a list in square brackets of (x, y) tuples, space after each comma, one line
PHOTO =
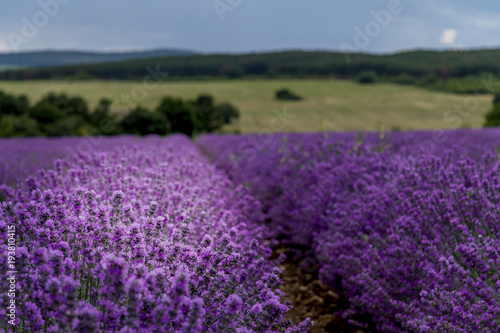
[(328, 105)]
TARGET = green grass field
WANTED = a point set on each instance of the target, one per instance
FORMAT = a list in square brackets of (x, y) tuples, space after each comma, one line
[(328, 104)]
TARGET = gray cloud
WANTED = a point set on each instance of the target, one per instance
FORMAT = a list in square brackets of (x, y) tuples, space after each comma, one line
[(248, 25)]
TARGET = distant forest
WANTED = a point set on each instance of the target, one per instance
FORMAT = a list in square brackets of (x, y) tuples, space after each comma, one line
[(454, 71), (60, 58)]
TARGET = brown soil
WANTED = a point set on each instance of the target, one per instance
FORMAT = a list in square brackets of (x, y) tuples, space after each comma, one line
[(308, 296)]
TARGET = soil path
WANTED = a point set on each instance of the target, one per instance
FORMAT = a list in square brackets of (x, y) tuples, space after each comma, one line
[(308, 296)]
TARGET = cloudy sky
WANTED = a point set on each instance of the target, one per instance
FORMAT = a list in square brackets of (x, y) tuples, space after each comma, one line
[(248, 25)]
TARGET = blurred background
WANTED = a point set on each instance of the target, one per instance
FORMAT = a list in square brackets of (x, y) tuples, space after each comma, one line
[(72, 68)]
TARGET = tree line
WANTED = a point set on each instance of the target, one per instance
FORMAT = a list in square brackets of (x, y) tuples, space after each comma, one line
[(452, 71), (57, 114)]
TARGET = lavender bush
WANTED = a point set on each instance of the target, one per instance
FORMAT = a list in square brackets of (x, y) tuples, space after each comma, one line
[(141, 238), (407, 224), (23, 158)]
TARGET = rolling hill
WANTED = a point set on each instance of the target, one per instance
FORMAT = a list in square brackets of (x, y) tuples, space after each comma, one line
[(61, 58), (418, 63)]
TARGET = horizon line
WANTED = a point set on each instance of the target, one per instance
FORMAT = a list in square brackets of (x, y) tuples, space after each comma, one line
[(292, 49)]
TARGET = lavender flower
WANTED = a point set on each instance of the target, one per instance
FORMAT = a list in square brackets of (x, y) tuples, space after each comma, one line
[(97, 257)]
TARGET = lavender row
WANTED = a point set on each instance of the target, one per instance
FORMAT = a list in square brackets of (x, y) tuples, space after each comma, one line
[(147, 237), (406, 224), (23, 158)]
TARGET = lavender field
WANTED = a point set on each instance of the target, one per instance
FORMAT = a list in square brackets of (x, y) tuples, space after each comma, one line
[(233, 166), (405, 224), (138, 236), (166, 235)]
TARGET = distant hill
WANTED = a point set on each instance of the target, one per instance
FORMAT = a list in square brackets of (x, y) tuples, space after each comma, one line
[(62, 58), (5, 67), (452, 71)]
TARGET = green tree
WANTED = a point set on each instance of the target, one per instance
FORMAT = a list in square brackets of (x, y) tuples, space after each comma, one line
[(46, 113), (103, 120), (77, 106), (60, 115), (493, 117), (367, 77), (227, 112), (11, 126), (12, 105), (141, 121), (286, 95), (403, 78), (496, 100), (70, 106), (54, 122), (179, 114), (67, 126), (231, 71), (208, 120)]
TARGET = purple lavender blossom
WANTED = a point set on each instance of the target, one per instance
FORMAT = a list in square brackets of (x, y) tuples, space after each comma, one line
[(406, 226), (134, 237)]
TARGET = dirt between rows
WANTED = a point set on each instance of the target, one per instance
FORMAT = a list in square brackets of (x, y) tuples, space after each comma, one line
[(308, 295)]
